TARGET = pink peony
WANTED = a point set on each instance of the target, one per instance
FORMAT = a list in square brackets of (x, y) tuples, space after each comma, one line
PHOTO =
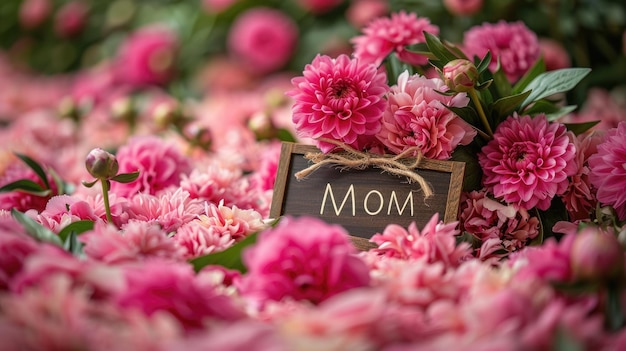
[(263, 38), (485, 219), (159, 163), (608, 170), (135, 242), (361, 12), (550, 261), (463, 7), (435, 243), (14, 249), (417, 116), (34, 12), (19, 200), (339, 99), (303, 259), (554, 54), (62, 210), (607, 107), (71, 19), (528, 161), (156, 286), (170, 209), (512, 45), (385, 35), (146, 57)]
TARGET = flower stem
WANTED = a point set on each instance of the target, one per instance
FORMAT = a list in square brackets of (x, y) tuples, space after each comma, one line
[(105, 198), (481, 112)]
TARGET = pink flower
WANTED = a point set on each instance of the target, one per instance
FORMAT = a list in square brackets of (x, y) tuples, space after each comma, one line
[(170, 209), (218, 229), (485, 219), (159, 163), (19, 200), (554, 54), (602, 105), (70, 19), (339, 99), (579, 198), (385, 35), (34, 12), (303, 259), (512, 45), (146, 57), (135, 242), (14, 249), (435, 243), (417, 116), (597, 256), (608, 170), (62, 210), (361, 12), (463, 7), (550, 261), (156, 286), (528, 161), (263, 38)]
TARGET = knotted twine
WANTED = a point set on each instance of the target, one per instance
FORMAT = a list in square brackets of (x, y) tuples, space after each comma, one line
[(351, 158)]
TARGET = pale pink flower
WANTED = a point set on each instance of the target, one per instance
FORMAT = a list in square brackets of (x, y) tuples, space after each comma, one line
[(554, 54), (136, 241), (361, 12), (14, 249), (62, 210), (147, 57), (417, 115), (319, 6), (485, 219), (218, 229), (339, 99), (513, 46), (160, 165), (34, 12), (550, 261), (157, 286), (528, 161), (434, 243), (170, 209), (386, 35), (608, 170), (263, 38), (71, 19), (607, 107), (302, 259), (463, 7), (265, 177), (60, 315), (579, 198)]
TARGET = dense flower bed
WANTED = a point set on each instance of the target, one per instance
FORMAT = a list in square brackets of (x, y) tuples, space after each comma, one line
[(133, 219)]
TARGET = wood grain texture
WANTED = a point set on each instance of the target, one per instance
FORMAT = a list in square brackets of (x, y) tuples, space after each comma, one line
[(364, 201)]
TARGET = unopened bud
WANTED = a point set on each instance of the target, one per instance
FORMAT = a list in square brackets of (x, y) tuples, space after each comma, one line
[(261, 124), (460, 75), (198, 135), (596, 255), (101, 164)]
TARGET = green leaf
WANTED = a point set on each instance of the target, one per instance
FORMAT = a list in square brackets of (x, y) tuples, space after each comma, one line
[(35, 167), (501, 83), (468, 114), (538, 68), (77, 228), (229, 258), (560, 112), (438, 49), (35, 229), (506, 105), (395, 67), (538, 240), (555, 213), (473, 172), (285, 135), (126, 177), (90, 184), (484, 63), (579, 128), (72, 245), (26, 186), (554, 82)]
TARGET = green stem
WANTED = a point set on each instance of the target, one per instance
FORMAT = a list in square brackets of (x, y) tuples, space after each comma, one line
[(105, 198), (481, 112)]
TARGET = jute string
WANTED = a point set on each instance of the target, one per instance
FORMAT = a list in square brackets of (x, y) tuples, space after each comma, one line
[(354, 159)]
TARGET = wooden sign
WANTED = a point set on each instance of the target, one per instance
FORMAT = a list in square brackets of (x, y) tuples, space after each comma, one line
[(365, 201)]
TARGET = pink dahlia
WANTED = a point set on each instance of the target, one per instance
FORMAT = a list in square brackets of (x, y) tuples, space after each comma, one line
[(263, 38), (303, 259), (417, 115), (159, 163), (147, 57), (528, 161), (513, 46), (608, 170), (385, 35), (136, 241), (436, 242), (339, 99), (170, 209)]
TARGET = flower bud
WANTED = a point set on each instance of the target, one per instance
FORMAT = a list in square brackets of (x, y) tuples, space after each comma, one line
[(198, 135), (101, 164), (460, 75), (596, 256)]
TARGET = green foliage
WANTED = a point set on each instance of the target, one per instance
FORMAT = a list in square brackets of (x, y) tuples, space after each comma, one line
[(230, 258), (36, 230)]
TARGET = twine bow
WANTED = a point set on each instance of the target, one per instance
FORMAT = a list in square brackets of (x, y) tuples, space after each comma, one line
[(354, 159)]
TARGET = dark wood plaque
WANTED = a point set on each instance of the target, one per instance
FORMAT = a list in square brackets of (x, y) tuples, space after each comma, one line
[(364, 201)]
